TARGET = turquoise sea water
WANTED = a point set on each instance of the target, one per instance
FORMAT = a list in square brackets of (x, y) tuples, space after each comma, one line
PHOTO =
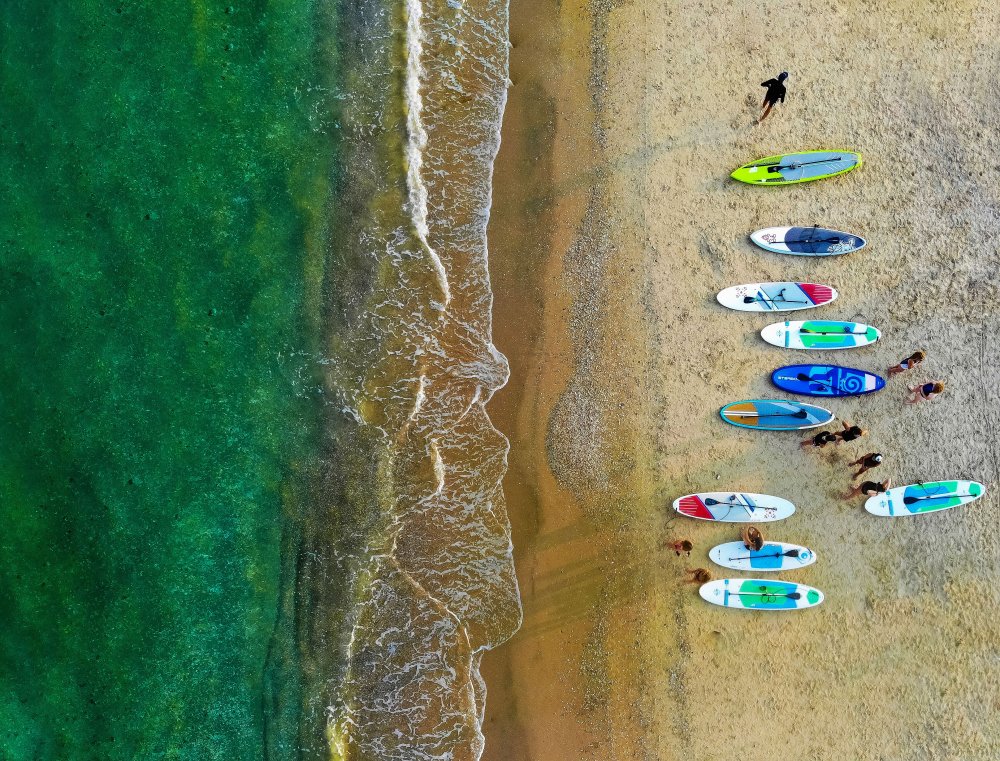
[(250, 495), (165, 182)]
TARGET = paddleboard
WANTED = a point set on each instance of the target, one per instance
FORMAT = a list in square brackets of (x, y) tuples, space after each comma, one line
[(773, 556), (776, 297), (927, 497), (760, 594), (790, 168), (820, 334), (734, 507), (775, 415), (826, 380), (807, 241)]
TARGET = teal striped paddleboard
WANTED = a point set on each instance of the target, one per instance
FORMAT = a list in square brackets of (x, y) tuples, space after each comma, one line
[(927, 497), (760, 594)]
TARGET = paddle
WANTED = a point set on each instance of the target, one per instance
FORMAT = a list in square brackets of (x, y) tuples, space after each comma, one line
[(785, 554), (774, 595), (709, 502), (842, 332), (752, 299), (796, 165), (806, 378), (801, 414), (911, 500)]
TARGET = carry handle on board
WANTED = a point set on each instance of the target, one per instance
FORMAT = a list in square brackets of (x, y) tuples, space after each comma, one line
[(779, 167), (801, 414)]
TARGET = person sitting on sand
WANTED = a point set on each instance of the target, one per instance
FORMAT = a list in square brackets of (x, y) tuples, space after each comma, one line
[(752, 538), (850, 433), (682, 545), (866, 463), (926, 392), (907, 364), (698, 576), (869, 489), (775, 92), (819, 441)]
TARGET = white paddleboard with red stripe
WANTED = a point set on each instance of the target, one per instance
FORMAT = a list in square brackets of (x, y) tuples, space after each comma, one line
[(734, 507), (776, 297)]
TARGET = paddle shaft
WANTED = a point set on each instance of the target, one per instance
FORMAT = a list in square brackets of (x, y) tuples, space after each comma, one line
[(789, 595), (911, 500), (799, 414), (778, 167), (785, 554), (832, 332)]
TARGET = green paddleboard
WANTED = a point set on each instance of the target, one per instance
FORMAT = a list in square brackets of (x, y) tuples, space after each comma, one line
[(791, 168)]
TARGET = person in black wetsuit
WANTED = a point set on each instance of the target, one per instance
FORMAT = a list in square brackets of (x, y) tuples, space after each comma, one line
[(775, 92), (869, 489), (866, 463)]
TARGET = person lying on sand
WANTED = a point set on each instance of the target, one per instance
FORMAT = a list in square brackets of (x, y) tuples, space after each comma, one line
[(698, 576), (752, 538), (866, 463), (682, 545), (907, 364), (926, 392), (775, 92), (869, 489), (850, 433), (819, 441)]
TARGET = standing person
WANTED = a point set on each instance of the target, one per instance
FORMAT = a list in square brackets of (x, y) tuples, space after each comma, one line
[(869, 488), (926, 392), (850, 433), (775, 92), (907, 364), (866, 463)]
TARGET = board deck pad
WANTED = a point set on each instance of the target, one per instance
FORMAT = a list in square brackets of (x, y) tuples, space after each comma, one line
[(820, 335), (826, 380), (775, 415), (773, 556), (792, 168), (807, 241), (734, 507), (760, 594), (776, 297), (927, 497)]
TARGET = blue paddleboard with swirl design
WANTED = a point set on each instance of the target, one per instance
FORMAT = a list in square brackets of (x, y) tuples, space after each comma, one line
[(826, 380)]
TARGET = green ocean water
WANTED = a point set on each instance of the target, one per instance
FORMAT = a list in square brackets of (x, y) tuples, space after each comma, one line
[(165, 176)]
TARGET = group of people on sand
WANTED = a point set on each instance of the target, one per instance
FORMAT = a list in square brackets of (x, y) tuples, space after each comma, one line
[(752, 537), (919, 393)]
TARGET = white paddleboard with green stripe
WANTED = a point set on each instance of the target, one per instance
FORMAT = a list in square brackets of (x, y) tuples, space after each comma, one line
[(927, 497), (760, 594), (820, 334), (773, 556)]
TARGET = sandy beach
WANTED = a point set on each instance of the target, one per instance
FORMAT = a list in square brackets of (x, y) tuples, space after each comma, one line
[(614, 224)]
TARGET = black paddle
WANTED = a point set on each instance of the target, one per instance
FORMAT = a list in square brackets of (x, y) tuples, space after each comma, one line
[(775, 595), (779, 167), (843, 332), (785, 554), (911, 500), (804, 377), (752, 299), (709, 502)]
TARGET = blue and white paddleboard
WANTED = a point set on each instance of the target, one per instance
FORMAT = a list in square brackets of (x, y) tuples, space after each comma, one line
[(775, 415), (773, 556), (807, 241), (826, 380)]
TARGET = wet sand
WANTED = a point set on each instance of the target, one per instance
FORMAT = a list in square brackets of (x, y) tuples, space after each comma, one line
[(613, 227)]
